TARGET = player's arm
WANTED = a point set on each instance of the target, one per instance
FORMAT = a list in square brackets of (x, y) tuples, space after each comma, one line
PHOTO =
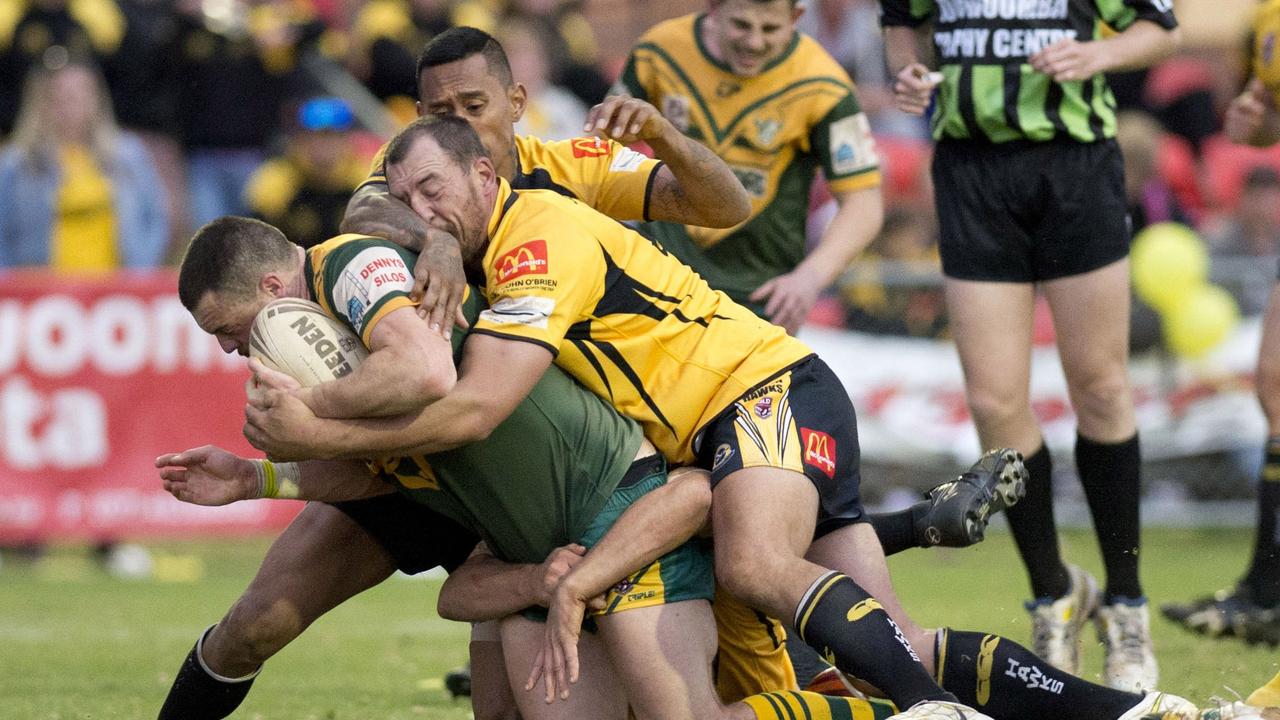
[(439, 282), (908, 50), (409, 366), (209, 475), (496, 374), (655, 525), (486, 588), (1140, 45), (693, 186), (789, 298)]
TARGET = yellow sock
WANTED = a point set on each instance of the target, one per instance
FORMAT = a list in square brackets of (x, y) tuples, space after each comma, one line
[(804, 704), (1268, 695)]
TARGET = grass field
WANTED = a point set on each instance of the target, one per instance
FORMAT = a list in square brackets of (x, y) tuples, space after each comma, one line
[(76, 643)]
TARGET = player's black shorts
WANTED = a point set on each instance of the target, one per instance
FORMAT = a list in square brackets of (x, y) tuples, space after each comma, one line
[(801, 420), (1028, 211), (416, 537)]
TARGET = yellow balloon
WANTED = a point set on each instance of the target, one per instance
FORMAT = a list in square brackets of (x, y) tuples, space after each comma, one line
[(1201, 321), (1168, 262)]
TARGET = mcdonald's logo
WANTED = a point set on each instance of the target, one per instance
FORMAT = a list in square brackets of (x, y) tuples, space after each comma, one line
[(585, 147), (819, 451), (529, 258)]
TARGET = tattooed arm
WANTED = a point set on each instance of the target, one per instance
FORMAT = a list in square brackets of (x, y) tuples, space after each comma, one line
[(694, 186)]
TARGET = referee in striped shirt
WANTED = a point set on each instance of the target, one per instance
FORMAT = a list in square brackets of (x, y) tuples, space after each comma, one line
[(1029, 189)]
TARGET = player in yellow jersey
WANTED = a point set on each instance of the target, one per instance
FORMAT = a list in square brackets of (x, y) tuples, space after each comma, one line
[(1251, 610), (710, 383), (778, 109)]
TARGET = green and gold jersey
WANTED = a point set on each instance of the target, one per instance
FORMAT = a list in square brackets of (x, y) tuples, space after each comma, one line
[(607, 176), (775, 130), (990, 92), (627, 320), (543, 474), (1263, 62)]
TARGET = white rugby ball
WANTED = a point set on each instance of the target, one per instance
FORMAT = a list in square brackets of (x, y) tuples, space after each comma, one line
[(297, 338)]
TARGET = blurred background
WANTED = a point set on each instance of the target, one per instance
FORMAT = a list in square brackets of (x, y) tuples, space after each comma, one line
[(128, 123), (125, 124)]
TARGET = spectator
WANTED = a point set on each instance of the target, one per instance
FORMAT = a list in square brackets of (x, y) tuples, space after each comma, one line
[(75, 192), (573, 51), (551, 112), (304, 191), (1254, 228), (30, 28), (892, 289)]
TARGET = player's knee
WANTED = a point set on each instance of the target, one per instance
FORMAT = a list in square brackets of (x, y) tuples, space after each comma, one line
[(746, 574), (257, 628), (1103, 400), (998, 407)]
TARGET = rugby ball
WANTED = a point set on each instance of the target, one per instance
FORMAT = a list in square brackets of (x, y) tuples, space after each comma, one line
[(297, 338)]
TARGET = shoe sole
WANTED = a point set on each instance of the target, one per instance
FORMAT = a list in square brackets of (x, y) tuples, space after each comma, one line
[(1009, 486)]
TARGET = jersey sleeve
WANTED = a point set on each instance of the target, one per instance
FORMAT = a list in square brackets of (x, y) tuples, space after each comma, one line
[(377, 170), (363, 281), (629, 82), (905, 13), (608, 176), (1120, 14), (842, 141), (540, 283)]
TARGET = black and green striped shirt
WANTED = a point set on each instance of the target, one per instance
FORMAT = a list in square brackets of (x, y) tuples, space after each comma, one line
[(990, 93)]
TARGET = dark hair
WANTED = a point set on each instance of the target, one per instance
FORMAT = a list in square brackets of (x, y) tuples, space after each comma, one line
[(229, 256), (460, 43), (454, 135)]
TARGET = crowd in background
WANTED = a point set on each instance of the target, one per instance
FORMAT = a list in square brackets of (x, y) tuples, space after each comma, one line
[(128, 123)]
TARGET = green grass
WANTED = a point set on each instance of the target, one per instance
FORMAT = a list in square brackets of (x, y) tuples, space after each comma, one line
[(75, 643)]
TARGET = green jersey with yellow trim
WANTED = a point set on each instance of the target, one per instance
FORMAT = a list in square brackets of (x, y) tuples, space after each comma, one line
[(541, 476), (775, 130), (990, 92)]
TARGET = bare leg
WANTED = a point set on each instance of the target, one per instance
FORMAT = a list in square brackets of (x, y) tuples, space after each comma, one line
[(598, 694)]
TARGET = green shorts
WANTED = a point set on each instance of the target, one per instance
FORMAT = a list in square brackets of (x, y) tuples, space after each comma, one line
[(685, 573)]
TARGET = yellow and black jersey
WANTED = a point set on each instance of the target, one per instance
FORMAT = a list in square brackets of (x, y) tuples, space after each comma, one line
[(775, 130), (603, 174), (623, 317), (1263, 61)]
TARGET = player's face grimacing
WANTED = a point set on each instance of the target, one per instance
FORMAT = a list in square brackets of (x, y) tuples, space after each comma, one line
[(467, 89), (448, 197), (749, 34), (229, 319)]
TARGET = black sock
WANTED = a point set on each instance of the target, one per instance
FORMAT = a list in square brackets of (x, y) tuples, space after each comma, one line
[(852, 631), (1034, 531), (1111, 474), (1264, 571), (1000, 678), (896, 530), (198, 695)]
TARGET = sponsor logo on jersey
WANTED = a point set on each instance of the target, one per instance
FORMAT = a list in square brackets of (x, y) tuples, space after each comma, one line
[(727, 88), (767, 130), (528, 311), (819, 450), (528, 259), (628, 160), (723, 453), (355, 311), (675, 108), (589, 147), (852, 148), (753, 181), (764, 407)]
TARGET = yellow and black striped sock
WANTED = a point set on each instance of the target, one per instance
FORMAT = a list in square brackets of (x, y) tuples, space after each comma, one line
[(851, 630), (794, 704)]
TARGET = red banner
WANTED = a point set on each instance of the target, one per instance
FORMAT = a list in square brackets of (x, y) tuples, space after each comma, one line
[(98, 376)]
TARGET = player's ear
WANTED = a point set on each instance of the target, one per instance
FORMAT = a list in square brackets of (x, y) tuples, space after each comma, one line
[(483, 167), (417, 107), (797, 10), (272, 285), (519, 97)]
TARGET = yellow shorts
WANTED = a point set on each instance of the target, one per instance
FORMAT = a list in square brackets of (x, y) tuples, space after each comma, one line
[(752, 657)]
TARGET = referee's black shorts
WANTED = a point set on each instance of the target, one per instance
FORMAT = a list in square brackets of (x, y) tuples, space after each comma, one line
[(1028, 211)]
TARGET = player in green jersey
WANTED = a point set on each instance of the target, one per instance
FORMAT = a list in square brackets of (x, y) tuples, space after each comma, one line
[(778, 109), (1029, 188)]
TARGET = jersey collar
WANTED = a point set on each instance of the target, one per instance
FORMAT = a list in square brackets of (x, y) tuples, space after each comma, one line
[(506, 198), (706, 52)]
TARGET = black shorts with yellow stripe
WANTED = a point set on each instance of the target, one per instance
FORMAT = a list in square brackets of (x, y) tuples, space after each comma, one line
[(799, 420)]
